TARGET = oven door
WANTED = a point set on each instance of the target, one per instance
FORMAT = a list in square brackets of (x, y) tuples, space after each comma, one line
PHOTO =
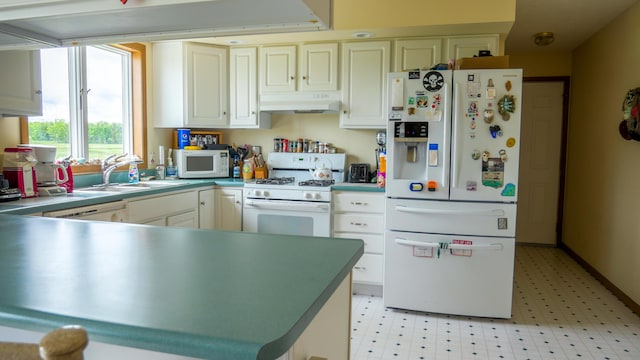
[(286, 217)]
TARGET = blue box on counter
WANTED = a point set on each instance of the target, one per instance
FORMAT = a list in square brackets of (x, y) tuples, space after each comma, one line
[(184, 138)]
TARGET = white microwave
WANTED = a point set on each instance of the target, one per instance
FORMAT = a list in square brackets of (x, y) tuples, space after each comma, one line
[(202, 163)]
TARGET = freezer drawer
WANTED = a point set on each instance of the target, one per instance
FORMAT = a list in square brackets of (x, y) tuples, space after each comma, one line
[(461, 275), (449, 217)]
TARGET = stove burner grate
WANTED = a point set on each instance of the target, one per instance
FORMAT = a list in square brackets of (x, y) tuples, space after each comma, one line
[(317, 182), (276, 181)]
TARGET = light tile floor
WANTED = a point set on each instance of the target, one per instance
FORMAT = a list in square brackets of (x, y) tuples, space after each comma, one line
[(559, 312)]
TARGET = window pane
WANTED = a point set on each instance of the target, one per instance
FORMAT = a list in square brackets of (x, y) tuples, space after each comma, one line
[(105, 103), (52, 128)]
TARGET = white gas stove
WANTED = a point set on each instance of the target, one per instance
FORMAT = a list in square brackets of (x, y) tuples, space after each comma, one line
[(291, 177), (290, 201)]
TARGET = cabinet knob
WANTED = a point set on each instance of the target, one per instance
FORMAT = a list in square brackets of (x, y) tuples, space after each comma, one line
[(304, 77), (292, 77), (344, 112), (38, 92), (202, 203)]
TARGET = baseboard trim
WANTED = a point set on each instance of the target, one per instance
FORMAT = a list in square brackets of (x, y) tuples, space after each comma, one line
[(632, 305)]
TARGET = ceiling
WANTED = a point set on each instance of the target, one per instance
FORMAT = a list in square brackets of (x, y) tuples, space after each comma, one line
[(54, 24), (572, 22)]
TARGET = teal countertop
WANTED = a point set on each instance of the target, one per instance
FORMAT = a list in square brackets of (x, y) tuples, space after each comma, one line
[(198, 293), (78, 198)]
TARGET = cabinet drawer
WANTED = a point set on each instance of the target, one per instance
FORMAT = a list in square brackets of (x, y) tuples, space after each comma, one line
[(359, 223), (358, 202), (161, 206), (369, 269), (372, 243)]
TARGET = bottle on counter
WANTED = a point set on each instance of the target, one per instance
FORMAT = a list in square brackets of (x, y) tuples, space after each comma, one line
[(236, 167), (134, 176), (160, 169)]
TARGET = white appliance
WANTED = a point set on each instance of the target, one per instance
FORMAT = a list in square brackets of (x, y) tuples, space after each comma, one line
[(202, 163), (453, 142), (290, 202)]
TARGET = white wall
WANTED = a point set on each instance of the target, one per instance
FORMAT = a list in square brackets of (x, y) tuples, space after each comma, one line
[(602, 200), (358, 144)]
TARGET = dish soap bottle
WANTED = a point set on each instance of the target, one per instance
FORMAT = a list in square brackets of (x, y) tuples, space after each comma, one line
[(134, 176)]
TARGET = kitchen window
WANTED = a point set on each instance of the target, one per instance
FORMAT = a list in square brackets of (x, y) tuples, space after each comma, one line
[(93, 103)]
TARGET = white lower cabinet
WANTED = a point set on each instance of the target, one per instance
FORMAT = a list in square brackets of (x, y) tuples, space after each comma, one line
[(178, 208), (228, 209), (206, 209), (360, 215)]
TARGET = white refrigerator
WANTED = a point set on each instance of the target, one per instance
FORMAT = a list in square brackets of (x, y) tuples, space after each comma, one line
[(453, 142)]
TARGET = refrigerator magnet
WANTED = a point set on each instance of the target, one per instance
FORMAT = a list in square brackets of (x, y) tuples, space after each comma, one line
[(488, 116), (509, 190), (493, 173), (472, 185), (511, 142), (433, 81)]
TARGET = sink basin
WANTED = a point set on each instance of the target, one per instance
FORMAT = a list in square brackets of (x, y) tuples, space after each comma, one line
[(127, 187)]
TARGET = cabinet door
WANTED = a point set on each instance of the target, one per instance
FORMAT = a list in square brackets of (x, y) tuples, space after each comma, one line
[(364, 81), (206, 211), (461, 47), (243, 97), (319, 67), (229, 209), (207, 86), (278, 69), (21, 90), (417, 54)]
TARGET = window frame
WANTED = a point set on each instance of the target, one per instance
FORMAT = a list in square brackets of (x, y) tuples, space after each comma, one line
[(138, 108)]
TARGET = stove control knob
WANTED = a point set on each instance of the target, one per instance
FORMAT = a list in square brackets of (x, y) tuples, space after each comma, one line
[(265, 193), (312, 196), (257, 192)]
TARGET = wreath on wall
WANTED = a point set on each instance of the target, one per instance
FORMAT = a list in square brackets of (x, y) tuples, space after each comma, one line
[(630, 125)]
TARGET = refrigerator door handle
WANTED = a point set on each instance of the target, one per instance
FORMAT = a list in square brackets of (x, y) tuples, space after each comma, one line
[(495, 212), (405, 242), (455, 161)]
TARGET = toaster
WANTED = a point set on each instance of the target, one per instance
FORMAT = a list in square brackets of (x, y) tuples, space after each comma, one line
[(359, 173)]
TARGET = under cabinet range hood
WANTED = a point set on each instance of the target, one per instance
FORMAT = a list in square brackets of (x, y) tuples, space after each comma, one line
[(301, 103), (52, 23)]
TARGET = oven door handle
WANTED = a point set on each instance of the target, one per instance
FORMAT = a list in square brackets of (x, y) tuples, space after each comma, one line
[(287, 205)]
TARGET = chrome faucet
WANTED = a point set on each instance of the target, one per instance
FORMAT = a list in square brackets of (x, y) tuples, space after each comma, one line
[(113, 162)]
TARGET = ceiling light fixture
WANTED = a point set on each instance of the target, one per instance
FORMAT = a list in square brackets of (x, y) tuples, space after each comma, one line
[(543, 38), (363, 34)]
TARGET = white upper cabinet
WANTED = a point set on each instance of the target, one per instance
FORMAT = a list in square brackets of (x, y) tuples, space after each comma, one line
[(189, 85), (316, 70), (467, 46), (243, 90), (319, 67), (20, 79), (365, 66), (417, 54)]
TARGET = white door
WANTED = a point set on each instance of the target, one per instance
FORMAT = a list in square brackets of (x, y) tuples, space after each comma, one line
[(486, 135), (417, 168), (243, 91), (278, 69), (319, 67), (451, 274), (540, 159), (207, 78), (365, 68)]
